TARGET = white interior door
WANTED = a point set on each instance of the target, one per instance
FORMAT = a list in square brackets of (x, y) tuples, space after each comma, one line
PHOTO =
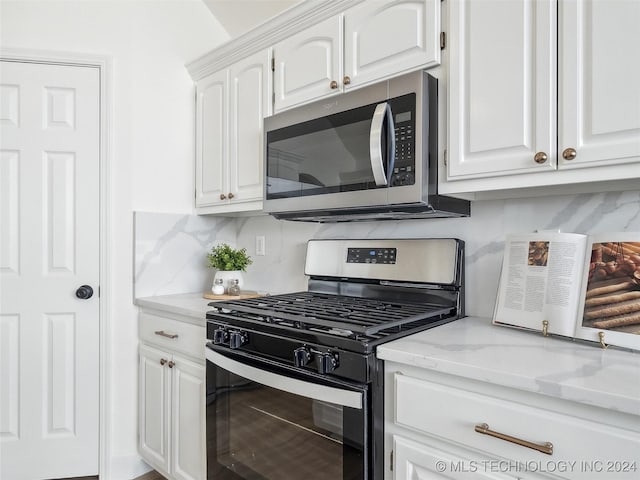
[(49, 246)]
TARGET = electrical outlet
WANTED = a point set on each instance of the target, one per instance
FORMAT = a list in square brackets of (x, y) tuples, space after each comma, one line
[(260, 245)]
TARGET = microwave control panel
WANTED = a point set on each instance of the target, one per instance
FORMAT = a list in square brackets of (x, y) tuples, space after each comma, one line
[(404, 121)]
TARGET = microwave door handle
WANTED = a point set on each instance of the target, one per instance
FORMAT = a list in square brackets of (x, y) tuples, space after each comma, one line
[(375, 143), (391, 143)]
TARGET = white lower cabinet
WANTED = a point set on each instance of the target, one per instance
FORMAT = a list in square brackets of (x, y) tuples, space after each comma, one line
[(418, 461), (451, 428), (171, 423)]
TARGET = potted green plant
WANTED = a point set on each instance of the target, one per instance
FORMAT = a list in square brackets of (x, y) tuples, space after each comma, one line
[(229, 263)]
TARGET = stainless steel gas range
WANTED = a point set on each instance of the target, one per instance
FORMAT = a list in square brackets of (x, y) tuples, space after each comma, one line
[(294, 388)]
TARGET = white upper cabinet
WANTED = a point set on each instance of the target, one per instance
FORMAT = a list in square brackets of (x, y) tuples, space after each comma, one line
[(501, 87), (387, 38), (370, 42), (599, 83), (230, 108), (508, 102), (308, 65), (249, 104), (211, 133)]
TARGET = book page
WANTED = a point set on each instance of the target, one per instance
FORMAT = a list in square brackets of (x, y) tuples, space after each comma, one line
[(610, 300), (540, 280)]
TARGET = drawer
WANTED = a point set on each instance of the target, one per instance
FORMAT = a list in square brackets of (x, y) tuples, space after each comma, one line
[(173, 334), (581, 448)]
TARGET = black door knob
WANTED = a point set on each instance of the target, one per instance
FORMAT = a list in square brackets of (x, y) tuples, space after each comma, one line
[(84, 292)]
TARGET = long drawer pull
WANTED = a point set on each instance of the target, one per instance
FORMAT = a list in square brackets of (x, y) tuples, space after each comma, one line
[(546, 447), (162, 333)]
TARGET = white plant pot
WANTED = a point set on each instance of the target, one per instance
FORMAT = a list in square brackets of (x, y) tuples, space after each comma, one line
[(228, 277)]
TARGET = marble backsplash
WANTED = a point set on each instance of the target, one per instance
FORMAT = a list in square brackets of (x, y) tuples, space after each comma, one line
[(171, 249)]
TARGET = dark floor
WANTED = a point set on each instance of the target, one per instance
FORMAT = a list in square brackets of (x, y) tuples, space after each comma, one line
[(152, 475)]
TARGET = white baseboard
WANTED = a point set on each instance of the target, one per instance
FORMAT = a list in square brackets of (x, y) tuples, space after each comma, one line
[(127, 468)]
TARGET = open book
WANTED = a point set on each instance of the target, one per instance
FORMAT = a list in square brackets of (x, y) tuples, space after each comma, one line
[(572, 285)]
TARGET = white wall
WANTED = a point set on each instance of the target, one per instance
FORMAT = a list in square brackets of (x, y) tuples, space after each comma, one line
[(151, 149)]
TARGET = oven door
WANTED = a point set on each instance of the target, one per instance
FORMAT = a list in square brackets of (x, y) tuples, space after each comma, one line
[(271, 422)]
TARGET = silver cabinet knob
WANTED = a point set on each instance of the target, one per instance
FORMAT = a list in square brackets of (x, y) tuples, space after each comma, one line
[(333, 85), (223, 196), (346, 80)]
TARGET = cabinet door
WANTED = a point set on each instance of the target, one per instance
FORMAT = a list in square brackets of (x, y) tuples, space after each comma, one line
[(307, 63), (502, 88), (154, 403), (599, 81), (249, 104), (415, 461), (211, 139), (383, 39), (188, 420)]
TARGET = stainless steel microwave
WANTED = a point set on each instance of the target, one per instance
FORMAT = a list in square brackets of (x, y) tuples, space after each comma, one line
[(367, 154)]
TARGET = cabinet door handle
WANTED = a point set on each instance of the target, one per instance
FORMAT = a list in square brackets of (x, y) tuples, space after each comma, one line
[(569, 153), (171, 363), (346, 80), (546, 447), (162, 361), (223, 196), (540, 157), (333, 85), (162, 333), (230, 196)]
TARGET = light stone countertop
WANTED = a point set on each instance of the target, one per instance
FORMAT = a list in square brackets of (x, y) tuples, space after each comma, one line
[(193, 306), (558, 367)]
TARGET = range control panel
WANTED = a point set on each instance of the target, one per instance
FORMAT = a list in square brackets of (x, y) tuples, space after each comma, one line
[(371, 255)]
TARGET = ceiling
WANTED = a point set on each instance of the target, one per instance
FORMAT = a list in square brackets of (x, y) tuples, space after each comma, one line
[(240, 16)]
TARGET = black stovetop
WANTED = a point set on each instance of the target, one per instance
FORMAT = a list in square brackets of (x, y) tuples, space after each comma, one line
[(343, 317)]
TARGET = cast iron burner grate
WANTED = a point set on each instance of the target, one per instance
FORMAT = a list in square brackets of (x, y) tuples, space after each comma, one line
[(336, 314)]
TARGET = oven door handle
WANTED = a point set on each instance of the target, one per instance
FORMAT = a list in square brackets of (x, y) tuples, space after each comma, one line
[(376, 156), (294, 386)]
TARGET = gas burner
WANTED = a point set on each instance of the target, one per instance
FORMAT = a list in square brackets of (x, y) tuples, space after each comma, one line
[(333, 314)]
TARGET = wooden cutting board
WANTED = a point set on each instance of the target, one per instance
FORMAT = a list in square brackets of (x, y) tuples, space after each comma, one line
[(243, 295)]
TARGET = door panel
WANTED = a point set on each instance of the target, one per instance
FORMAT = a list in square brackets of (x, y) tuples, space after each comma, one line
[(154, 399), (392, 36), (189, 450), (9, 211), (306, 64), (212, 144), (49, 180), (599, 82), (502, 87), (248, 108)]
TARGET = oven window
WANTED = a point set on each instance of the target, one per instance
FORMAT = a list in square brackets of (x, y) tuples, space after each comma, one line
[(257, 432)]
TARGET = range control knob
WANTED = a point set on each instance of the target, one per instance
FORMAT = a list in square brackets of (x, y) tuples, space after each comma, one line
[(220, 336), (237, 339), (301, 356), (326, 362)]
